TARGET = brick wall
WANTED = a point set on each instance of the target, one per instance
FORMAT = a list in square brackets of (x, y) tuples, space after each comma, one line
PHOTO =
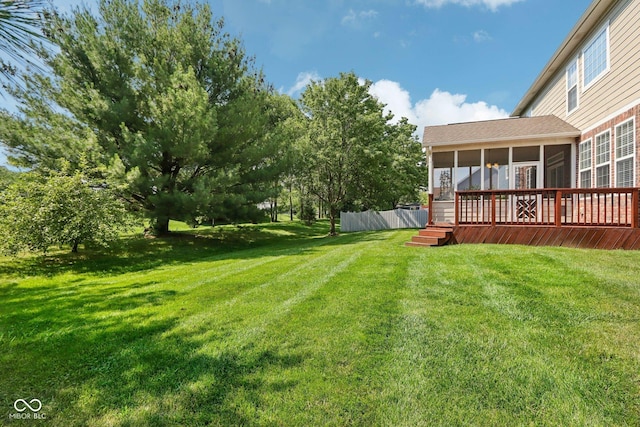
[(610, 126)]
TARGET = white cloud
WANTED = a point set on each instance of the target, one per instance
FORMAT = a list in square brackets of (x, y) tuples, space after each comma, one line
[(444, 107), (397, 100), (355, 19), (440, 108), (302, 81), (481, 36), (491, 4)]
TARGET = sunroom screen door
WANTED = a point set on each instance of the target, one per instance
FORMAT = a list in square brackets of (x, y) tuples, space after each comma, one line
[(525, 176), (525, 205)]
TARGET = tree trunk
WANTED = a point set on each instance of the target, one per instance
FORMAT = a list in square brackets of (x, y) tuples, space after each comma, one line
[(275, 211), (271, 210), (301, 204), (74, 248), (332, 222), (161, 226), (290, 205)]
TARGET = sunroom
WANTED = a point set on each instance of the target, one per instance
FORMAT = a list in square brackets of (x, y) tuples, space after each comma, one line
[(508, 154), (514, 181)]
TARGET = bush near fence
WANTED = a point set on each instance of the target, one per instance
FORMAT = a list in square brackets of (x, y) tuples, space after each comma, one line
[(384, 220)]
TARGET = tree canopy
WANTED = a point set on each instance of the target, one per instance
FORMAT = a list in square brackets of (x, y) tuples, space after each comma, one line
[(40, 210), (19, 29), (355, 156), (168, 109), (161, 94)]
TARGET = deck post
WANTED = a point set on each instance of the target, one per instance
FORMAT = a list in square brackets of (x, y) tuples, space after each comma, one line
[(558, 210), (430, 213), (634, 208), (457, 206), (493, 209)]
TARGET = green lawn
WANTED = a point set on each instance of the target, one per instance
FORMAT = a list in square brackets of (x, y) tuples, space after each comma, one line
[(279, 325)]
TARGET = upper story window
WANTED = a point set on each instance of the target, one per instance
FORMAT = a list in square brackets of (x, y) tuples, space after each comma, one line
[(572, 86), (596, 57)]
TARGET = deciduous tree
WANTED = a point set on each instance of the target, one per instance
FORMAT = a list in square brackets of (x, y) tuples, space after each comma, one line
[(39, 211), (354, 155), (283, 132)]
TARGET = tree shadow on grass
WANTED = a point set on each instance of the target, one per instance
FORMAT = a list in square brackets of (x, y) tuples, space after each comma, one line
[(135, 253), (116, 353), (114, 357)]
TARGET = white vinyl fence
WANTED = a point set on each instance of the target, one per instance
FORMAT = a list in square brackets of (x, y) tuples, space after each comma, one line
[(372, 220)]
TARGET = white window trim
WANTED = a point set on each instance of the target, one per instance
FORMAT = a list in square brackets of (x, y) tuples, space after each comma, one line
[(604, 28), (575, 61), (599, 165), (633, 153), (590, 168)]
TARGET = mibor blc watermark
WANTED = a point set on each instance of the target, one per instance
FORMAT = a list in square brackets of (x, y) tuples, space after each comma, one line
[(27, 410)]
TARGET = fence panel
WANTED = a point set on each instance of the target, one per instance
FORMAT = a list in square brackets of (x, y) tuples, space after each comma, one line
[(383, 220)]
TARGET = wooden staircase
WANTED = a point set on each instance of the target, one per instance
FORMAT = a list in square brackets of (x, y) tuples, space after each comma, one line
[(433, 235)]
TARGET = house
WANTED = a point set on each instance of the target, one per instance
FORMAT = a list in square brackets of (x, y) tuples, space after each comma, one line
[(563, 169)]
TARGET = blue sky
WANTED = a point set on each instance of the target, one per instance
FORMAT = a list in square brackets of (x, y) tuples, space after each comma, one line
[(433, 61)]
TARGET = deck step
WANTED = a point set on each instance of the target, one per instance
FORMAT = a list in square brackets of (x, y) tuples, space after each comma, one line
[(434, 232), (438, 235)]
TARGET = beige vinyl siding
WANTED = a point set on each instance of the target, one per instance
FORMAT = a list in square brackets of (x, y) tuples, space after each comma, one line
[(616, 89), (553, 100)]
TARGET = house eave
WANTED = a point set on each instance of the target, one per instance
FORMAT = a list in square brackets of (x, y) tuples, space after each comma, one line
[(555, 136)]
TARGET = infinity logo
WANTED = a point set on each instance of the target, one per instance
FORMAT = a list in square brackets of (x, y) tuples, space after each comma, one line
[(37, 405)]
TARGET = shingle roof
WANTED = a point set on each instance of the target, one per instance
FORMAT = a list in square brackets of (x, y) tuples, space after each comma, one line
[(514, 128)]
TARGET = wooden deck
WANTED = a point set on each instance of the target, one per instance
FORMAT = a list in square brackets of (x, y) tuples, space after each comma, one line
[(572, 237), (578, 218)]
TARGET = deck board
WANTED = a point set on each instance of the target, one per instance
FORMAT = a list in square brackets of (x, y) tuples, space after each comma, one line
[(572, 237), (556, 237), (591, 240), (543, 235), (575, 237), (631, 242)]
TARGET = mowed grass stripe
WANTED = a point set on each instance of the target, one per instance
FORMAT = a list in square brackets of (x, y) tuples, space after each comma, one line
[(258, 294), (310, 330), (299, 287), (267, 340), (339, 341), (487, 349), (224, 266)]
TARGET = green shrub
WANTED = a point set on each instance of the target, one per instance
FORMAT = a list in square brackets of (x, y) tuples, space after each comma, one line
[(39, 211)]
